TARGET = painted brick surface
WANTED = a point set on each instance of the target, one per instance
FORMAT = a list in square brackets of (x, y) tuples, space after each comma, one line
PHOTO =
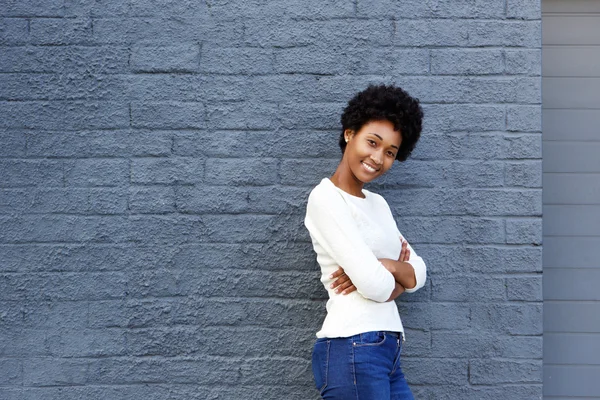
[(155, 161)]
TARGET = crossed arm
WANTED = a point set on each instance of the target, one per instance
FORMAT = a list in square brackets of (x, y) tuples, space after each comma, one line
[(403, 272)]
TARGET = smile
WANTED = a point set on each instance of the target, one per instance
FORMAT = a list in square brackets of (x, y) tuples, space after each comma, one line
[(369, 168)]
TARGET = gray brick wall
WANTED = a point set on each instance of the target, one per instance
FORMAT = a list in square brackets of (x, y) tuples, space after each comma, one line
[(154, 163)]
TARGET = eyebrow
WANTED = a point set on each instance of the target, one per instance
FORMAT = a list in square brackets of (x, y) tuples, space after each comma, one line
[(380, 138)]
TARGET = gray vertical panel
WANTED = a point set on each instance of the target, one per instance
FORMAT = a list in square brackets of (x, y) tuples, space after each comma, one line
[(571, 226)]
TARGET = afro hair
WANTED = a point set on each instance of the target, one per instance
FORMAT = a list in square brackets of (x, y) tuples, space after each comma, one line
[(391, 103)]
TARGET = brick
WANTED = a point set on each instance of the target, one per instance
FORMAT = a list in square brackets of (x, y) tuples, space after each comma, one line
[(86, 343), (524, 9), (315, 116), (168, 115), (63, 115), (107, 201), (452, 391), (186, 87), (36, 8), (306, 172), (428, 371), (97, 172), (467, 33), (465, 118), (186, 340), (59, 200), (167, 170), (151, 200), (167, 229), (63, 286), (452, 230), (18, 342), (224, 282), (524, 118), (275, 370), (50, 372), (14, 31), (524, 174), (482, 202), (486, 372), (423, 316), (523, 146), (294, 256), (63, 228), (69, 59), (528, 288), (524, 231), (467, 289), (25, 173), (513, 319), (474, 90), (388, 61), (173, 59), (110, 371), (414, 9), (11, 372), (226, 199), (242, 116), (474, 345), (484, 259), (310, 60), (14, 144), (166, 31), (242, 171), (312, 10), (56, 87), (456, 146), (217, 60), (467, 62), (294, 33), (317, 144), (123, 392), (120, 143), (14, 200), (60, 31), (523, 61)]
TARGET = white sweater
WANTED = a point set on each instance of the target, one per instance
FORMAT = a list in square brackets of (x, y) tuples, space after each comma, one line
[(353, 233)]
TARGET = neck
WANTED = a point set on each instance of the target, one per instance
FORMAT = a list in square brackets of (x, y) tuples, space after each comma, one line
[(343, 179)]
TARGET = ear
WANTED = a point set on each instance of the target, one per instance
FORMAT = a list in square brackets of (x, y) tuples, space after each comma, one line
[(348, 135)]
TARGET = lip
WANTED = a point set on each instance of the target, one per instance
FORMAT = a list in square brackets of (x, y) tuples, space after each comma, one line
[(370, 167)]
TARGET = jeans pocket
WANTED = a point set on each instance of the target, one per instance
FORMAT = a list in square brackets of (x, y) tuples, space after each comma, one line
[(320, 363), (374, 338)]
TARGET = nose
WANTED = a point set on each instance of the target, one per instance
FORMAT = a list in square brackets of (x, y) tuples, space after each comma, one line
[(377, 157)]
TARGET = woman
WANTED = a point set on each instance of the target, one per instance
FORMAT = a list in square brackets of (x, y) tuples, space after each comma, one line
[(365, 262)]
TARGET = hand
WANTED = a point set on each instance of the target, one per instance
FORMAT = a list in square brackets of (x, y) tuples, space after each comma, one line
[(342, 283), (405, 252)]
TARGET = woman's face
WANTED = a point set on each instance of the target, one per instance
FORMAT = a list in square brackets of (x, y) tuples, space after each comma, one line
[(371, 151)]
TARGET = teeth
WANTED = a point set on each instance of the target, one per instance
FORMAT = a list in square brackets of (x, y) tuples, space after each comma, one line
[(368, 167)]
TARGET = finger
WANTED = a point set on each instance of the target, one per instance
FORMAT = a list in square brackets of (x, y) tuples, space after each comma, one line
[(337, 273), (349, 290), (340, 281), (403, 251), (343, 286)]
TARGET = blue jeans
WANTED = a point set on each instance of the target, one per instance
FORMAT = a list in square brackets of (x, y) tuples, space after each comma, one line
[(361, 367)]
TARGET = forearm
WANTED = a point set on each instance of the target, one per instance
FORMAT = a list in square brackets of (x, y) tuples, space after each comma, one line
[(403, 272), (398, 290)]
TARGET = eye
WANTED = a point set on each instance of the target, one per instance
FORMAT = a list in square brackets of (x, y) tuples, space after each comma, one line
[(371, 142), (391, 154)]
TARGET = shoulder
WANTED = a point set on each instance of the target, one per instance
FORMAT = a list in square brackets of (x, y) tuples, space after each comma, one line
[(376, 198), (325, 191)]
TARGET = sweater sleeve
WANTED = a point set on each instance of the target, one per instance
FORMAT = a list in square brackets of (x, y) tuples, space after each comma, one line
[(418, 265), (330, 222), (417, 262)]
